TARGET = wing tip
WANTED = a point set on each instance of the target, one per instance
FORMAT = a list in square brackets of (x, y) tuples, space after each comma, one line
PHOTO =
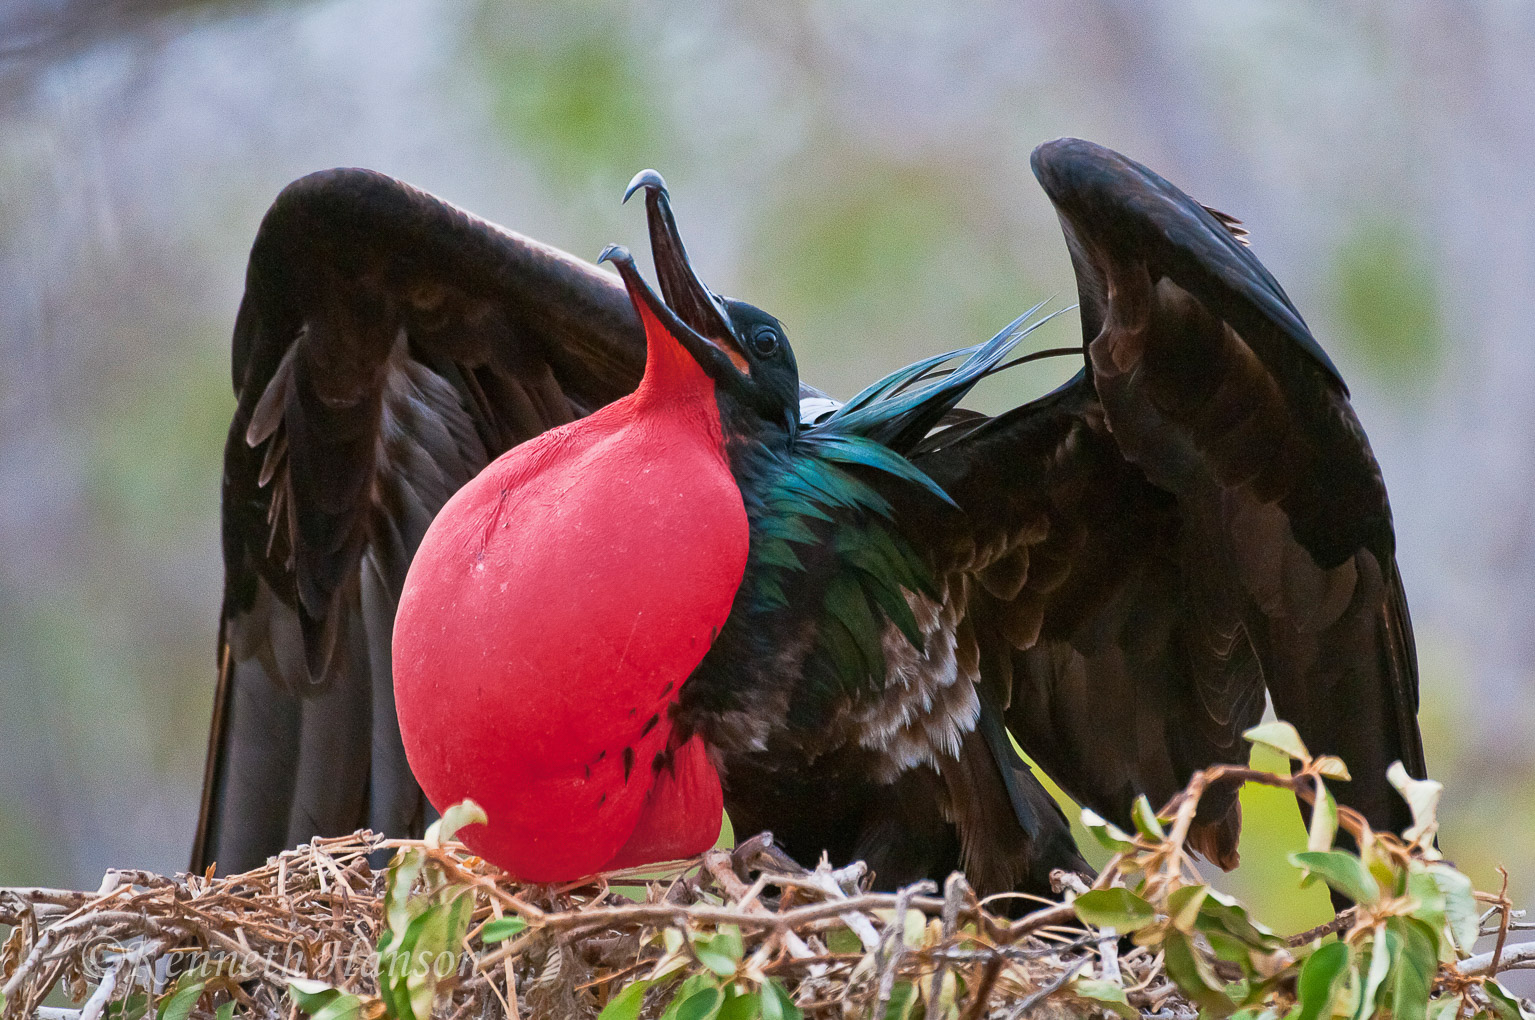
[(344, 197), (1057, 151), (1062, 160), (328, 181), (1114, 197)]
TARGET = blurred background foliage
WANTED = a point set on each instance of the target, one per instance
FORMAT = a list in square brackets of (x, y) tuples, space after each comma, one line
[(859, 168)]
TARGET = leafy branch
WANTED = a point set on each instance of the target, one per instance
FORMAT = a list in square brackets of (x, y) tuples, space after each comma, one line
[(1401, 949)]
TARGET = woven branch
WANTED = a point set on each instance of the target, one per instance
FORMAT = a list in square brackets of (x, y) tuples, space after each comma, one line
[(316, 914)]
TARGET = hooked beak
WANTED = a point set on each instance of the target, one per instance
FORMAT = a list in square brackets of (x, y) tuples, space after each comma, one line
[(715, 361), (695, 304)]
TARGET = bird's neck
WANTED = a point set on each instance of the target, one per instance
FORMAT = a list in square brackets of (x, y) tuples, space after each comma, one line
[(674, 383)]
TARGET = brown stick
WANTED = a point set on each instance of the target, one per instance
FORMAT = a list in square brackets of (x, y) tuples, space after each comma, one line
[(1310, 935), (1503, 908)]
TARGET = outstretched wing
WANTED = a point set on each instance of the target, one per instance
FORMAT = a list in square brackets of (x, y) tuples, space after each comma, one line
[(1194, 519), (388, 347)]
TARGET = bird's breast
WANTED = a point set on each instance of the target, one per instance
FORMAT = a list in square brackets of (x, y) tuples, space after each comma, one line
[(554, 609)]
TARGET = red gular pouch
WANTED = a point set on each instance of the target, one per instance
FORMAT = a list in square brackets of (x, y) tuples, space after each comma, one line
[(550, 617), (682, 813)]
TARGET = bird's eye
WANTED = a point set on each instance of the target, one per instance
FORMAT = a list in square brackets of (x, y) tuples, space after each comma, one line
[(764, 342)]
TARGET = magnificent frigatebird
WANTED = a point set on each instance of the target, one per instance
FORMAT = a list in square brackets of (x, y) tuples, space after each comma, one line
[(1116, 572)]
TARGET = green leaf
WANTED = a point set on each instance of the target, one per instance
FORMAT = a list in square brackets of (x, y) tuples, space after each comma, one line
[(1331, 766), (134, 1007), (1116, 908), (456, 915), (1382, 949), (342, 1007), (1318, 982), (726, 942), (226, 1010), (1342, 871), (1460, 911), (1504, 1005), (319, 1000), (1113, 839), (1280, 736), (702, 1004), (720, 964), (690, 986), (903, 999), (395, 970), (1391, 879), (501, 929), (392, 969), (465, 812), (1422, 888), (1422, 797), (1183, 905), (178, 1006), (1413, 967), (399, 911), (432, 943), (1193, 975), (1229, 949), (1446, 1007), (1324, 820), (777, 1003), (1106, 994), (311, 996), (626, 1004), (1145, 819), (746, 1006), (1223, 913), (843, 940)]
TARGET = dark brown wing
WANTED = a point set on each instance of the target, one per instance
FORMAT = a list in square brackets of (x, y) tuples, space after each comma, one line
[(1197, 517), (389, 345)]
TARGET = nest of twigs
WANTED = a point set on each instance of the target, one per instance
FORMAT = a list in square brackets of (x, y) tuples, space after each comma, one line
[(316, 914), (748, 933)]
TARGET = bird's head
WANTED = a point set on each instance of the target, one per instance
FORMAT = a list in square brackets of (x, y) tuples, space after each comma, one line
[(741, 347)]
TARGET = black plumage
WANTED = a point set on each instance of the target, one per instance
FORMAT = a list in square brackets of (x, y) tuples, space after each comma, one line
[(1120, 571)]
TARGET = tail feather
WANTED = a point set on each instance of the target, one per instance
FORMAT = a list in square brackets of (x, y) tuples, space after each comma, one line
[(285, 767), (395, 801), (249, 782), (1012, 832)]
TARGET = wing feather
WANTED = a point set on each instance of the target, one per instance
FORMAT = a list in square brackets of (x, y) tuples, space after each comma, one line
[(1192, 522), (389, 345)]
